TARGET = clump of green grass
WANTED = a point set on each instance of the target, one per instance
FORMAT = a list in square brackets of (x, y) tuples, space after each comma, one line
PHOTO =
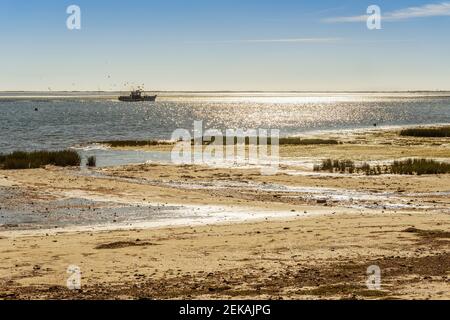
[(299, 141), (405, 167), (426, 132), (91, 161), (209, 140), (268, 141), (133, 143), (37, 159), (419, 167), (336, 166)]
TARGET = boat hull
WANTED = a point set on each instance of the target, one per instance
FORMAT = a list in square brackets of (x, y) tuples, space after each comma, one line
[(130, 99)]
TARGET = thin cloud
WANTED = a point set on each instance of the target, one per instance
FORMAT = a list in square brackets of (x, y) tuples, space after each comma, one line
[(346, 19), (287, 40), (428, 10)]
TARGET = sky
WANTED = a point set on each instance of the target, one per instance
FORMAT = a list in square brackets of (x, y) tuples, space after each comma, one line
[(279, 45)]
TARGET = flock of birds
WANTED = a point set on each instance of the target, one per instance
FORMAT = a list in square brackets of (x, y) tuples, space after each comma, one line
[(128, 85)]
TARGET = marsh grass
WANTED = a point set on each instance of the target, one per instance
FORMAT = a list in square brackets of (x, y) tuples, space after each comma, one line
[(134, 143), (419, 166), (405, 167), (209, 140), (298, 141), (426, 132), (37, 159), (268, 141), (336, 166), (91, 161)]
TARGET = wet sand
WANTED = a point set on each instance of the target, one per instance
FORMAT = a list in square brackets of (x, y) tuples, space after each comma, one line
[(367, 145), (295, 235), (324, 257)]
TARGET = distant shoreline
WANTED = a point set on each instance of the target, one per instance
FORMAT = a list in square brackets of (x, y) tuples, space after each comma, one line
[(233, 91), (38, 95)]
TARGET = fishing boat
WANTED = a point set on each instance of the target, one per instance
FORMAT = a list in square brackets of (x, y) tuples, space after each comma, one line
[(137, 96)]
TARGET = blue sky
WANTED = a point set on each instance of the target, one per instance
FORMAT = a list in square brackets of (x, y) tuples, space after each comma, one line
[(224, 45)]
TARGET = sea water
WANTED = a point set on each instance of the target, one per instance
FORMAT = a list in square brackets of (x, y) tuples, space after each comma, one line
[(49, 121)]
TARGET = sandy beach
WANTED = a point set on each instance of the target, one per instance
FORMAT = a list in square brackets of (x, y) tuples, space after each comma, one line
[(306, 258), (214, 157), (231, 232)]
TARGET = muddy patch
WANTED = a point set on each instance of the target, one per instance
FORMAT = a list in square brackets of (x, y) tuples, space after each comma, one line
[(124, 244), (431, 237), (332, 281), (350, 291), (433, 234), (65, 212)]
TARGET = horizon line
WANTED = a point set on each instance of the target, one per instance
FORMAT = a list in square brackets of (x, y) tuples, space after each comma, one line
[(221, 91)]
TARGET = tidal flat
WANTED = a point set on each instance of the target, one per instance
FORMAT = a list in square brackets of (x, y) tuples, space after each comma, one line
[(165, 231)]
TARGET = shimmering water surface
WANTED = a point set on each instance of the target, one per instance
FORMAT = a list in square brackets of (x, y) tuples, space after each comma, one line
[(30, 121)]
